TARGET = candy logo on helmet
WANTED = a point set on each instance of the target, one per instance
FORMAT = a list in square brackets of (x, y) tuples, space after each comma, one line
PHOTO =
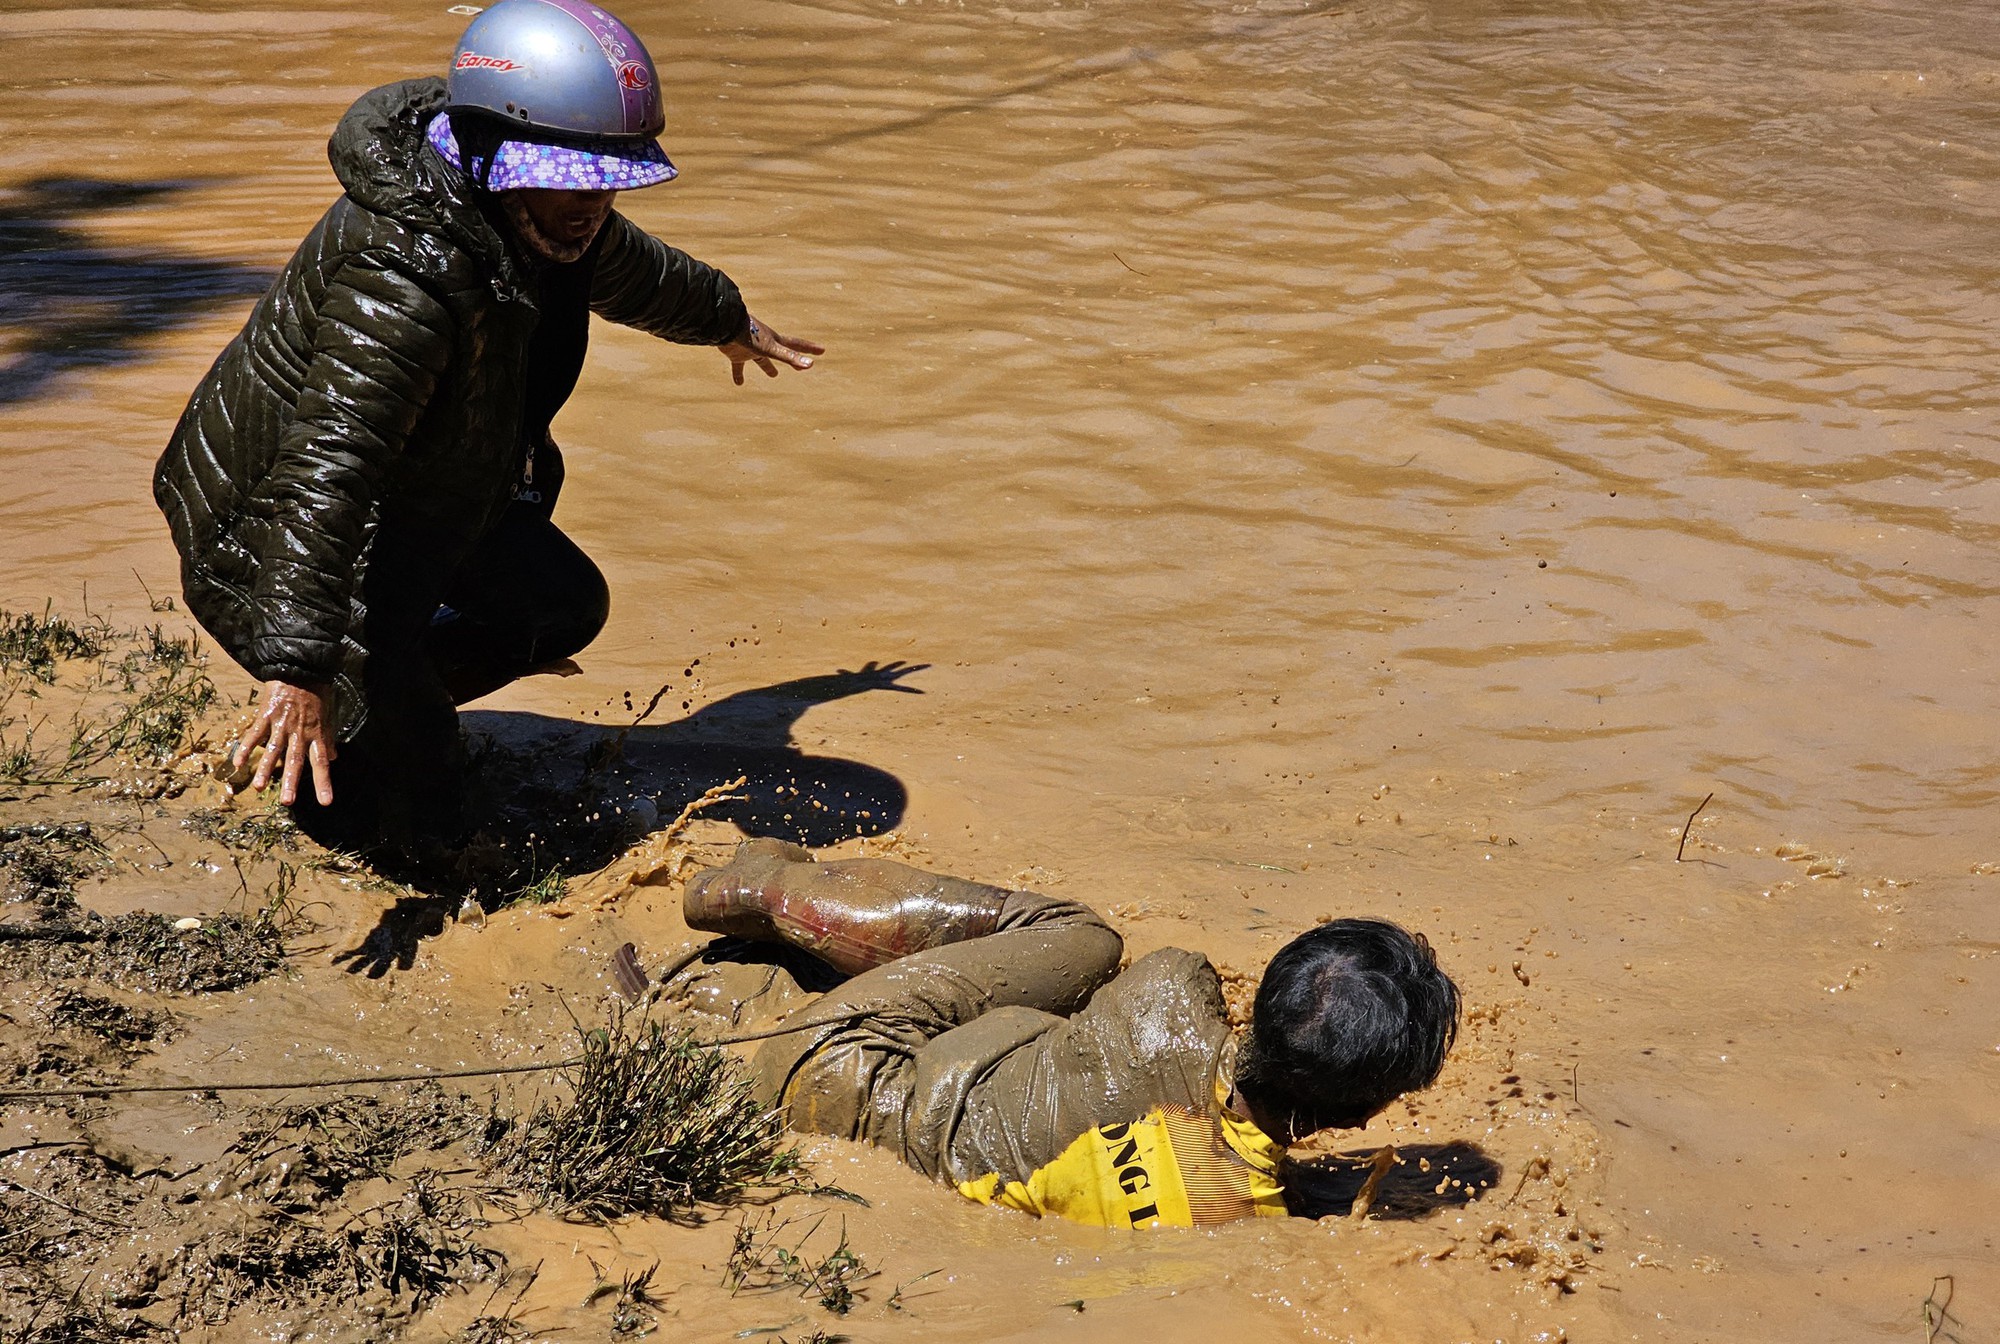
[(472, 60), (534, 81)]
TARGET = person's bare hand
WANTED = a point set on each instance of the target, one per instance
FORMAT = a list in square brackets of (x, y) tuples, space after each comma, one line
[(766, 349), (293, 730)]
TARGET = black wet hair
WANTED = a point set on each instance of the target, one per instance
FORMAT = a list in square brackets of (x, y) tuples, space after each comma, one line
[(1350, 1016)]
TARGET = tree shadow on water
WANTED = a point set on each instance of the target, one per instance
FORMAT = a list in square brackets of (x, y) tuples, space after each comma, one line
[(68, 302), (1429, 1177)]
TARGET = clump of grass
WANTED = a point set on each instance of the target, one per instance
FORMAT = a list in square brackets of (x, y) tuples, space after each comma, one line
[(544, 890), (287, 1260), (226, 952), (489, 1327), (169, 691), (161, 695), (145, 951), (493, 1330), (20, 763), (760, 1261), (43, 862), (655, 1122), (34, 645), (414, 1247), (129, 1029), (418, 1245), (156, 684), (343, 1140), (632, 1301), (59, 1316), (258, 834)]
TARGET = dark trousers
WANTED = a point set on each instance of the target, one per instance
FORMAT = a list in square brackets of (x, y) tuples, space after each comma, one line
[(527, 596)]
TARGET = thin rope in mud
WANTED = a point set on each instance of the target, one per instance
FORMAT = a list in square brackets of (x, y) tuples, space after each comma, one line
[(367, 1080)]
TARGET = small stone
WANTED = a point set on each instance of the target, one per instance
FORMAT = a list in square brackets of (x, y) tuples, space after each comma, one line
[(188, 925)]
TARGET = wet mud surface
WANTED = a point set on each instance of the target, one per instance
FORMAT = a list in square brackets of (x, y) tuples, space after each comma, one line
[(423, 1210), (1272, 461)]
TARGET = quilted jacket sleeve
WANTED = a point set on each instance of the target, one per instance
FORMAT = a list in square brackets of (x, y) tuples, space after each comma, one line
[(381, 344), (641, 282)]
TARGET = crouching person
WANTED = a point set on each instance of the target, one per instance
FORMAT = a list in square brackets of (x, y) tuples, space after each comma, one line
[(362, 487), (987, 1038)]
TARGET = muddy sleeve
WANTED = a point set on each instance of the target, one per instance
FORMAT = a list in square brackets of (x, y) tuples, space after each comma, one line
[(932, 1024), (641, 282), (1147, 1040), (381, 344)]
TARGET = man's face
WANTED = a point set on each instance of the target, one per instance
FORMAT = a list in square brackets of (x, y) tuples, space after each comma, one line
[(569, 218)]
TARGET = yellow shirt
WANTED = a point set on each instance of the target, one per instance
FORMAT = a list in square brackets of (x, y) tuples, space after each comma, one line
[(1170, 1168)]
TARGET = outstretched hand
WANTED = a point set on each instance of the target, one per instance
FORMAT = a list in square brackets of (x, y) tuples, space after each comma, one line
[(766, 349), (294, 732)]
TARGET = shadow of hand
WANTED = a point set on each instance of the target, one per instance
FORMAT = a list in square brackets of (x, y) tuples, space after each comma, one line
[(870, 676), (392, 943), (762, 718)]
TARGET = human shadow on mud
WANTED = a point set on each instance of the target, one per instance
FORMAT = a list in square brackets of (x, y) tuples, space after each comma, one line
[(69, 302), (1430, 1176), (788, 793), (555, 797)]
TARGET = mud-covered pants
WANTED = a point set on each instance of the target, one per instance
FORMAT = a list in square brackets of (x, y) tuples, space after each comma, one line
[(981, 1056)]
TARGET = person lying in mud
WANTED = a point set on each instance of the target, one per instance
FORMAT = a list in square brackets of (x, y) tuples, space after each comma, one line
[(988, 1039), (361, 488)]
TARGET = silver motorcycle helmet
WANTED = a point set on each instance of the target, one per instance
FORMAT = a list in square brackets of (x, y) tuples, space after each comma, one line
[(553, 95)]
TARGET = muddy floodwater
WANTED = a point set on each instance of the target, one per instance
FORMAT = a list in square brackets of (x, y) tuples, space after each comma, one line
[(1272, 460)]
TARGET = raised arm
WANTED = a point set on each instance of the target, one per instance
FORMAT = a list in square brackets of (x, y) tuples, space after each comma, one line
[(641, 282)]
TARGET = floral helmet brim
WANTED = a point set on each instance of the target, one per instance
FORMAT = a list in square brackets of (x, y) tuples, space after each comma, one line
[(582, 164)]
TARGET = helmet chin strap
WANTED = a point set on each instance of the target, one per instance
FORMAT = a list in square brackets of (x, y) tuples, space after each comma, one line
[(479, 136)]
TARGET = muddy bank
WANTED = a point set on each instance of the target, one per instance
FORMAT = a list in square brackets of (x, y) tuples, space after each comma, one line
[(1197, 438), (168, 936)]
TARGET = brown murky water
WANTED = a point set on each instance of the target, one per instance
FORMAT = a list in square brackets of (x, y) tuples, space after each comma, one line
[(1390, 458)]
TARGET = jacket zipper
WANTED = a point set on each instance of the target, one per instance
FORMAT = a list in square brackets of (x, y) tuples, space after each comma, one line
[(525, 491)]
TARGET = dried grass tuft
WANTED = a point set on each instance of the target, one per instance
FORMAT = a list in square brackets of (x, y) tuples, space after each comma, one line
[(415, 1247), (147, 950), (42, 862), (656, 1123), (341, 1141)]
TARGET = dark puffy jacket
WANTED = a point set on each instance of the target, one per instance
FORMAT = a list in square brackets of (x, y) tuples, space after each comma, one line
[(371, 410)]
